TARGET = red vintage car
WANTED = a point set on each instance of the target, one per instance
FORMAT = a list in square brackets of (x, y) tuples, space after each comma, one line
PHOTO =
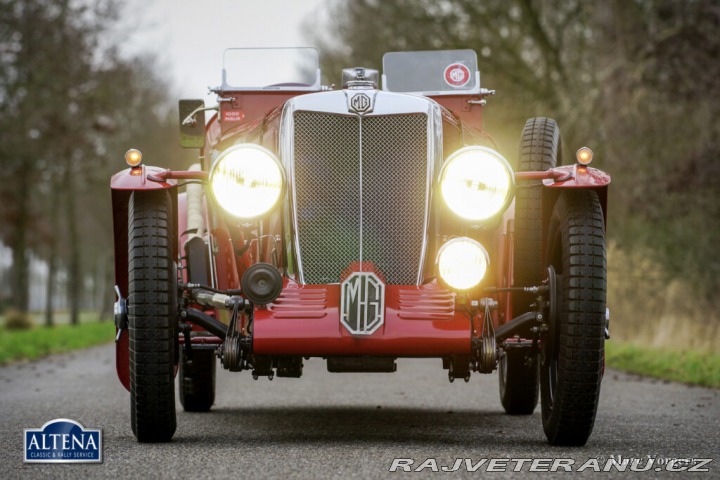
[(358, 225)]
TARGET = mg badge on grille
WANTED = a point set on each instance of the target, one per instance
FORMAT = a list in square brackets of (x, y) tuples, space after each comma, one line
[(362, 303), (360, 103)]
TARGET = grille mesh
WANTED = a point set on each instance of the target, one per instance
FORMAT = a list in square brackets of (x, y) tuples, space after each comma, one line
[(327, 184)]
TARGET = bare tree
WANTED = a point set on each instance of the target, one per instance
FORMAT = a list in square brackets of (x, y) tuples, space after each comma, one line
[(68, 107)]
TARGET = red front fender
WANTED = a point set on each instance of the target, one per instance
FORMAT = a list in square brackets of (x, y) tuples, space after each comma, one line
[(574, 176), (122, 184), (568, 176)]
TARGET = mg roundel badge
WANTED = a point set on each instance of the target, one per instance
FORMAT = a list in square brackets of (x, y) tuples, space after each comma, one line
[(457, 75), (362, 303), (360, 103)]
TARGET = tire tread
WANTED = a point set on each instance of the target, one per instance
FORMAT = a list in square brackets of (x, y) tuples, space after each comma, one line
[(570, 419), (151, 317), (540, 150)]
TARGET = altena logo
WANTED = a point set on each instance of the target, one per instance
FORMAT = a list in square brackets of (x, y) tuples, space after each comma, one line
[(63, 441)]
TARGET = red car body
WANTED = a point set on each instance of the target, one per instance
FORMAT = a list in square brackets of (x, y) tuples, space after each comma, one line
[(421, 319)]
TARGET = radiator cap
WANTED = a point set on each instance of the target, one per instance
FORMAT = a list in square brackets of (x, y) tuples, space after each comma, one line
[(360, 77)]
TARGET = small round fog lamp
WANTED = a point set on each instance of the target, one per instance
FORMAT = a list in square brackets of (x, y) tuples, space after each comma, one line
[(462, 263)]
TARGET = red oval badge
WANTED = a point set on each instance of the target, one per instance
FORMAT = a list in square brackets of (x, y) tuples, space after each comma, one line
[(457, 75)]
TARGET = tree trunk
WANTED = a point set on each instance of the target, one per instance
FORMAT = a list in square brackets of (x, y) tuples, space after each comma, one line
[(21, 265), (52, 258), (50, 287), (75, 282)]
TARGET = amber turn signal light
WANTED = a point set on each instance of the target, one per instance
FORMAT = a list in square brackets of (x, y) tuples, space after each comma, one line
[(133, 157), (584, 156)]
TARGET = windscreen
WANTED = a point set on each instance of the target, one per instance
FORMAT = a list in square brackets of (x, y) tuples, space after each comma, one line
[(271, 69), (428, 72)]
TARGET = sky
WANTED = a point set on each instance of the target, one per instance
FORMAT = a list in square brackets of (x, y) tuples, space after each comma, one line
[(188, 37)]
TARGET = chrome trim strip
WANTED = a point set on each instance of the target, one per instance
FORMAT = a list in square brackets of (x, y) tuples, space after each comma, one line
[(287, 151), (435, 159), (360, 172)]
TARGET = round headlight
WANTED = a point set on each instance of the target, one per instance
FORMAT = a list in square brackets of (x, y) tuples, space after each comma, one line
[(462, 263), (477, 183), (246, 181)]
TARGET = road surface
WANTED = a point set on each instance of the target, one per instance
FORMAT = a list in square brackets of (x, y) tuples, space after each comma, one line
[(348, 425)]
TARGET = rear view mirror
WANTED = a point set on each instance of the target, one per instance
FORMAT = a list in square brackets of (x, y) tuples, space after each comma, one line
[(192, 123)]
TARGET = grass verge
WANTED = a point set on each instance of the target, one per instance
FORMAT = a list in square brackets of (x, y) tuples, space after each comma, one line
[(691, 366), (41, 341)]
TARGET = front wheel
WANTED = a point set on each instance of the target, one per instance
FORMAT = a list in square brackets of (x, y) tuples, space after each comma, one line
[(152, 316), (572, 350)]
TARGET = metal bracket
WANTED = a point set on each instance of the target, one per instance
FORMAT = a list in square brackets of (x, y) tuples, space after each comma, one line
[(607, 323), (186, 328), (120, 314), (191, 120), (459, 367)]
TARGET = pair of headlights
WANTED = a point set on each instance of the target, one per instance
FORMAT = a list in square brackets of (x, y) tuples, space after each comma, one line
[(476, 184)]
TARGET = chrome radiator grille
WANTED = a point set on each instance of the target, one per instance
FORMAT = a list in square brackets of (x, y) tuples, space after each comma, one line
[(360, 191)]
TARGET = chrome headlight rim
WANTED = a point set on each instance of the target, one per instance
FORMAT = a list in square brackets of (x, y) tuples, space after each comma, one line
[(237, 148), (449, 244), (496, 156)]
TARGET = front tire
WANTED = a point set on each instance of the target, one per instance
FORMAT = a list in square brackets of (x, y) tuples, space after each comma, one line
[(572, 351), (152, 316)]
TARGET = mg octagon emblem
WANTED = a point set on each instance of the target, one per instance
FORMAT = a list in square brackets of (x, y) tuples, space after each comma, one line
[(362, 303), (360, 103)]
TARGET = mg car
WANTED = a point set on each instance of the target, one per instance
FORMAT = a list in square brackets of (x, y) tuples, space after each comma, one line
[(354, 225)]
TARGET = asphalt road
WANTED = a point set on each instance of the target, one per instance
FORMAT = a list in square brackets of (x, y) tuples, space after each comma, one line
[(346, 425)]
